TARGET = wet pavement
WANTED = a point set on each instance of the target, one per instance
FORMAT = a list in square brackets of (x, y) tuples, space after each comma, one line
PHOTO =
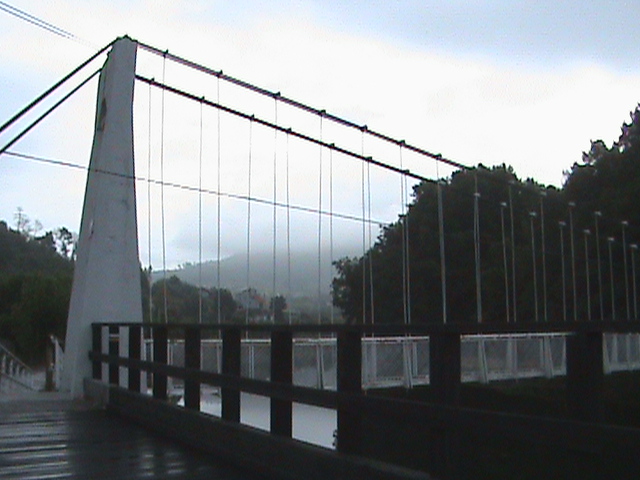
[(51, 436)]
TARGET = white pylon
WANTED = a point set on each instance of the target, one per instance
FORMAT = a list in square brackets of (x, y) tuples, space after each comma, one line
[(106, 282)]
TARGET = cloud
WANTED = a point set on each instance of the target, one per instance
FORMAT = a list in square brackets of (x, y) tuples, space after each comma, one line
[(468, 107)]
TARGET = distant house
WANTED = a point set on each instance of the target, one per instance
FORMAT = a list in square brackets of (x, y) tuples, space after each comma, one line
[(250, 300)]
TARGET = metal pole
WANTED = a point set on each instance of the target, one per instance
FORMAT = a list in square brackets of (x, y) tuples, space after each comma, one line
[(503, 205), (596, 215), (573, 263), (564, 281), (587, 232), (532, 215), (544, 257), (634, 247), (610, 241), (625, 224), (513, 256)]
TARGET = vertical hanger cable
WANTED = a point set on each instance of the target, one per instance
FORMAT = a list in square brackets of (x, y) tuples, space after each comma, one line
[(320, 228), (288, 235), (164, 243), (370, 244), (407, 250), (275, 198), (476, 247), (443, 272), (150, 279), (331, 225), (364, 241), (513, 258), (219, 209), (248, 296), (200, 221), (403, 216)]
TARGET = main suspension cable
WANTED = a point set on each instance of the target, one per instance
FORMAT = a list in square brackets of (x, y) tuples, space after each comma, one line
[(47, 112), (289, 130), (294, 103), (54, 87)]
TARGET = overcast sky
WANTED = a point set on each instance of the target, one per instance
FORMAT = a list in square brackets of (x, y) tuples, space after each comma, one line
[(518, 82)]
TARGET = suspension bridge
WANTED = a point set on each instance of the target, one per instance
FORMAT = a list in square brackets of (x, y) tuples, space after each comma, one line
[(209, 160)]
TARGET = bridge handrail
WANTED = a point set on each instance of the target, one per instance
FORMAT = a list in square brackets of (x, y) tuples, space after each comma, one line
[(584, 431), (415, 329), (15, 370), (15, 381)]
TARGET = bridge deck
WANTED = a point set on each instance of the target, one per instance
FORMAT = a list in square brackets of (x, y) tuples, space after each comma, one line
[(57, 438)]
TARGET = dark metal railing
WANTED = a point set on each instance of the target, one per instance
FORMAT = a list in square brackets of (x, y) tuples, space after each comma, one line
[(583, 431)]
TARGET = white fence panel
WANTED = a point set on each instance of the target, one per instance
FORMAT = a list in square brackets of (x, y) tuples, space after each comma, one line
[(404, 361)]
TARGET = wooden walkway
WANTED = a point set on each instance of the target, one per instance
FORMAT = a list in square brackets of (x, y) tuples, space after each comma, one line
[(54, 438)]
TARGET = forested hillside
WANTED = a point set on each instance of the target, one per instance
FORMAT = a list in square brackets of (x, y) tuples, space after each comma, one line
[(607, 180), (35, 286)]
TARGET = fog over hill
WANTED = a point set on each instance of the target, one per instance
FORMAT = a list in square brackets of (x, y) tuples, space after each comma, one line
[(233, 272)]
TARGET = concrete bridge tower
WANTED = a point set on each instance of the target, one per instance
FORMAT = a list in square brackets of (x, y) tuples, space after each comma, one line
[(106, 282)]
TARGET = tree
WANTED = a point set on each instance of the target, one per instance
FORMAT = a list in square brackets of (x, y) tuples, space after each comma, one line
[(186, 303), (64, 242), (606, 180), (174, 301), (35, 287), (227, 307), (353, 288), (34, 307), (24, 225), (278, 305)]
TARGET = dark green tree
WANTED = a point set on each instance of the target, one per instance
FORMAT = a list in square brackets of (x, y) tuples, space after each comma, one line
[(35, 287), (278, 307), (186, 303), (352, 289), (606, 180)]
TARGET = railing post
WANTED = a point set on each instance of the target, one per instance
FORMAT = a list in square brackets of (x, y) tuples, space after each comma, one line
[(48, 384), (281, 372), (135, 338), (444, 365), (319, 366), (96, 342), (231, 350), (192, 338), (444, 378), (160, 338), (114, 350), (585, 376), (349, 381)]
